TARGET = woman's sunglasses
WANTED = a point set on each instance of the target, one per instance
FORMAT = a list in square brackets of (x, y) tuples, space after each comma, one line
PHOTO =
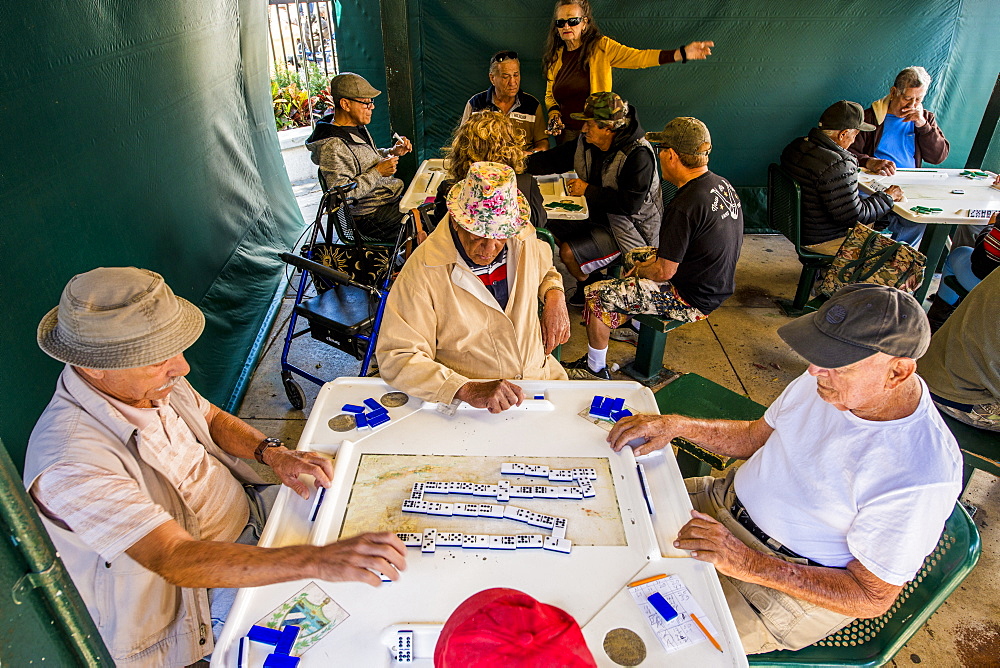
[(571, 22)]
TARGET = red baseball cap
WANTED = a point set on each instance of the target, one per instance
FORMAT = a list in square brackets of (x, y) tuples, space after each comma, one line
[(506, 628)]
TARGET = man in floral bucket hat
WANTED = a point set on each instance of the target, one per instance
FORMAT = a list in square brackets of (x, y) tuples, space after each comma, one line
[(462, 320)]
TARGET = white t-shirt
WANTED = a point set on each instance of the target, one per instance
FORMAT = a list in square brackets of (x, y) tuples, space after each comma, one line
[(834, 487)]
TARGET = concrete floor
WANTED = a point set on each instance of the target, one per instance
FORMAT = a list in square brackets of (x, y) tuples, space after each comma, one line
[(736, 347)]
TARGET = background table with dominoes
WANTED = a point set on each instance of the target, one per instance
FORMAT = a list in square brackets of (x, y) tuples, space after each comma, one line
[(941, 198), (532, 498)]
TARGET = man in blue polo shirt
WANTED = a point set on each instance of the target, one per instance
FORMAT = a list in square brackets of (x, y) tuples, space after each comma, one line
[(905, 136), (505, 95)]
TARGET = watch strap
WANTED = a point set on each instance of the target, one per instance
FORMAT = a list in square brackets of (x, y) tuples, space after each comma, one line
[(269, 442)]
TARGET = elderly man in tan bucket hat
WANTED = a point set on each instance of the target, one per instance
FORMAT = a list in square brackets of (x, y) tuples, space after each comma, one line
[(462, 320), (139, 479)]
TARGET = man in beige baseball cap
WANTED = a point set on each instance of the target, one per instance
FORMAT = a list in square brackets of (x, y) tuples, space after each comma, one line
[(140, 481), (690, 272)]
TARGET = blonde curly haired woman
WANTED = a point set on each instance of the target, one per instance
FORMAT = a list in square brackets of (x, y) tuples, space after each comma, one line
[(490, 136)]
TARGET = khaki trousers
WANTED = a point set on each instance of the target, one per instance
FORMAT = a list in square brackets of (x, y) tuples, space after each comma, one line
[(766, 619)]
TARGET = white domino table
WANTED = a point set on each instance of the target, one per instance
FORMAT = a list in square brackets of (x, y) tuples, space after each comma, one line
[(945, 189), (424, 185), (620, 544)]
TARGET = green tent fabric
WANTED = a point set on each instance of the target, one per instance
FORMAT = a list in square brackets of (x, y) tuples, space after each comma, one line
[(775, 67), (138, 134), (141, 133)]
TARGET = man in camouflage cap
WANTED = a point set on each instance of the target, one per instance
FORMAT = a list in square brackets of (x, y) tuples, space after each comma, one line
[(616, 172), (692, 270)]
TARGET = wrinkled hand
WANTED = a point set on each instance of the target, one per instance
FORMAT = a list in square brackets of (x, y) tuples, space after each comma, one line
[(555, 126), (709, 541), (495, 395), (387, 166), (576, 187), (883, 167), (917, 116), (895, 192), (288, 465), (350, 560), (698, 50), (651, 432), (555, 320), (401, 147), (634, 269)]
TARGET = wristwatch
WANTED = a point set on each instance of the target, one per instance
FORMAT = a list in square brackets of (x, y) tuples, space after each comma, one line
[(269, 442)]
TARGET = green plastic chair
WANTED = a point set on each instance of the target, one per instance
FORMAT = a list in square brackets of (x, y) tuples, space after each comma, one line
[(874, 642), (784, 213)]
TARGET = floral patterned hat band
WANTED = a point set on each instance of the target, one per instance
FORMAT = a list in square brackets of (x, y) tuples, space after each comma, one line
[(487, 203)]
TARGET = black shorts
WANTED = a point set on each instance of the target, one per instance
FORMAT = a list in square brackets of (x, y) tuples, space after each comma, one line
[(593, 246)]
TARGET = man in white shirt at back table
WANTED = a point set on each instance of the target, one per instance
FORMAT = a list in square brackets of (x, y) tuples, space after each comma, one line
[(849, 479)]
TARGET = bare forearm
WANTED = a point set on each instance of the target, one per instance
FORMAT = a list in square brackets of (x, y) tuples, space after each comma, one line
[(851, 591), (731, 438), (646, 433), (233, 434), (661, 270), (206, 564), (172, 553)]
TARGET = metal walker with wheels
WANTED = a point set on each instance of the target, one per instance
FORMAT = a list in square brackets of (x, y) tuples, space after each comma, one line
[(350, 275)]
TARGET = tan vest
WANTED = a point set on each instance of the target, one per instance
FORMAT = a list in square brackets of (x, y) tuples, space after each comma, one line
[(143, 619)]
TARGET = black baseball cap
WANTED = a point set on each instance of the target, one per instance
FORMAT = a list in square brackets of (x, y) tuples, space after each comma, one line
[(844, 115), (858, 321)]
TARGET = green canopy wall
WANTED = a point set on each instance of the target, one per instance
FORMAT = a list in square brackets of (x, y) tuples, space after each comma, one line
[(137, 133), (141, 133), (775, 67)]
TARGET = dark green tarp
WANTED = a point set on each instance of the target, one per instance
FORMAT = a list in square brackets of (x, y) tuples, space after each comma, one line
[(141, 133), (776, 66), (137, 134)]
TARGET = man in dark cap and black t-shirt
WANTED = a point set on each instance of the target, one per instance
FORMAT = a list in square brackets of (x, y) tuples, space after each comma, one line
[(693, 270)]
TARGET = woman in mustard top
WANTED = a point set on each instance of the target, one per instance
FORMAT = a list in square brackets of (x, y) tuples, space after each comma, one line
[(578, 61)]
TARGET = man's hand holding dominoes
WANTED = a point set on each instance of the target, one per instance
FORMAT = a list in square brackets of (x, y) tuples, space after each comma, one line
[(652, 432), (358, 559), (494, 395)]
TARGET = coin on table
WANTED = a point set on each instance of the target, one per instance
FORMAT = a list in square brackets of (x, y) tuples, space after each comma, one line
[(343, 422), (394, 399), (624, 647)]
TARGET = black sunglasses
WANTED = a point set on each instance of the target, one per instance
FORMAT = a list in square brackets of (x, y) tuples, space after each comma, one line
[(365, 103), (571, 22), (504, 55)]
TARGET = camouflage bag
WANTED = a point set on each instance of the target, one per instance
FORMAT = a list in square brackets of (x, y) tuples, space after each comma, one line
[(869, 257)]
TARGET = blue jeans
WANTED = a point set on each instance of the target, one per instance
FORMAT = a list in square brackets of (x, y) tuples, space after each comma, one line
[(904, 230), (959, 265)]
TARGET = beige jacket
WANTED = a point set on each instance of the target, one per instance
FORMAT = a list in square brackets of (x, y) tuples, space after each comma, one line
[(143, 619), (442, 327)]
